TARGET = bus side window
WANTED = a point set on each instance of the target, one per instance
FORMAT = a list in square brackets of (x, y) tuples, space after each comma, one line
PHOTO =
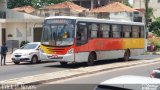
[(142, 32), (135, 31), (126, 31), (82, 34), (94, 30), (116, 31), (89, 30), (105, 30)]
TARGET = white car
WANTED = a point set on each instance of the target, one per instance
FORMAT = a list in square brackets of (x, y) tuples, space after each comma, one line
[(27, 53), (130, 82)]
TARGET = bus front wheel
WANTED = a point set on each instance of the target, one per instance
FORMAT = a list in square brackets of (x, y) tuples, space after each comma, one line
[(91, 59), (63, 63)]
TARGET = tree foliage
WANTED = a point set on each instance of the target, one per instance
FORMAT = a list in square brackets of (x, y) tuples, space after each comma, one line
[(18, 3), (35, 3), (127, 3), (150, 12), (42, 3), (155, 27)]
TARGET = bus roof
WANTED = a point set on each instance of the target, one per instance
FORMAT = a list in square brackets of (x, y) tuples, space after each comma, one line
[(89, 19)]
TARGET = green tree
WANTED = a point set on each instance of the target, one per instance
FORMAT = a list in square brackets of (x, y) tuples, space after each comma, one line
[(155, 27), (150, 13), (18, 3), (35, 3), (158, 19), (42, 3), (126, 2)]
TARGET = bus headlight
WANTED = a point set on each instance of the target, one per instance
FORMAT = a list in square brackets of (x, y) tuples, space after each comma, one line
[(70, 51)]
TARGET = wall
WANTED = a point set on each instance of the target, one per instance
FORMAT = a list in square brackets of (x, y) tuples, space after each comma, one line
[(11, 14), (0, 33), (18, 25), (156, 6), (55, 12), (96, 3), (21, 31), (121, 16), (137, 4), (3, 5)]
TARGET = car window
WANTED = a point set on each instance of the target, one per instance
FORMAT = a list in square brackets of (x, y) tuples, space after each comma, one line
[(30, 46)]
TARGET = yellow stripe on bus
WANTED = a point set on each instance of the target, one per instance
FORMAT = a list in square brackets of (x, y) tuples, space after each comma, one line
[(133, 43), (44, 48)]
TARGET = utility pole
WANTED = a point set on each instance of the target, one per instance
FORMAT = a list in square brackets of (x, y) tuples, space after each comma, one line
[(146, 23), (146, 13), (92, 4)]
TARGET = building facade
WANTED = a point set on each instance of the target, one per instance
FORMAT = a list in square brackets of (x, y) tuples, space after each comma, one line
[(61, 9), (18, 26), (155, 4), (91, 4), (21, 26)]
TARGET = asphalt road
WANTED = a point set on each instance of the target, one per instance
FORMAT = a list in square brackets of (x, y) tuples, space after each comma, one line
[(25, 69), (89, 82)]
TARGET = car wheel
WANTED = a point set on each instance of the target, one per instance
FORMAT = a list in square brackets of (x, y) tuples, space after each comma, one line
[(63, 63), (16, 63), (91, 59), (34, 60)]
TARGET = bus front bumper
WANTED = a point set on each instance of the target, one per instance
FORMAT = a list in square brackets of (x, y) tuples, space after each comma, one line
[(58, 58)]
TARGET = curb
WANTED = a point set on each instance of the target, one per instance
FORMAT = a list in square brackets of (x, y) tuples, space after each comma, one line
[(54, 76)]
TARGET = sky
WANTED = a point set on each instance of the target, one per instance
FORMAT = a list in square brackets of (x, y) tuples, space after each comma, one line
[(131, 2)]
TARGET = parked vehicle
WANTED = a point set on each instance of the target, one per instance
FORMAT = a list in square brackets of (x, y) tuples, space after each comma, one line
[(130, 82), (155, 73), (27, 53)]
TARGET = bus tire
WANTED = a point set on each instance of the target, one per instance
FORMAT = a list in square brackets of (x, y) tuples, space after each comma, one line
[(126, 55), (91, 58), (63, 63)]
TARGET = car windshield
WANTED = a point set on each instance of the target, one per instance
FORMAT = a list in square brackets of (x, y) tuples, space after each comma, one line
[(58, 32), (29, 46)]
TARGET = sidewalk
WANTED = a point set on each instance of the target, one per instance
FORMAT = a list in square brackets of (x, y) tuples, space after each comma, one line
[(8, 58)]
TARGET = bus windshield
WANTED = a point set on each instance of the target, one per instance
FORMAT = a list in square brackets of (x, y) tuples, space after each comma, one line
[(58, 32)]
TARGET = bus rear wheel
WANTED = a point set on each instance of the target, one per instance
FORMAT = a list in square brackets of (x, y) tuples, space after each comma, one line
[(91, 59), (126, 55), (63, 63)]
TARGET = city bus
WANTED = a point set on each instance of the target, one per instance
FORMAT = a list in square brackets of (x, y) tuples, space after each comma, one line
[(68, 39)]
